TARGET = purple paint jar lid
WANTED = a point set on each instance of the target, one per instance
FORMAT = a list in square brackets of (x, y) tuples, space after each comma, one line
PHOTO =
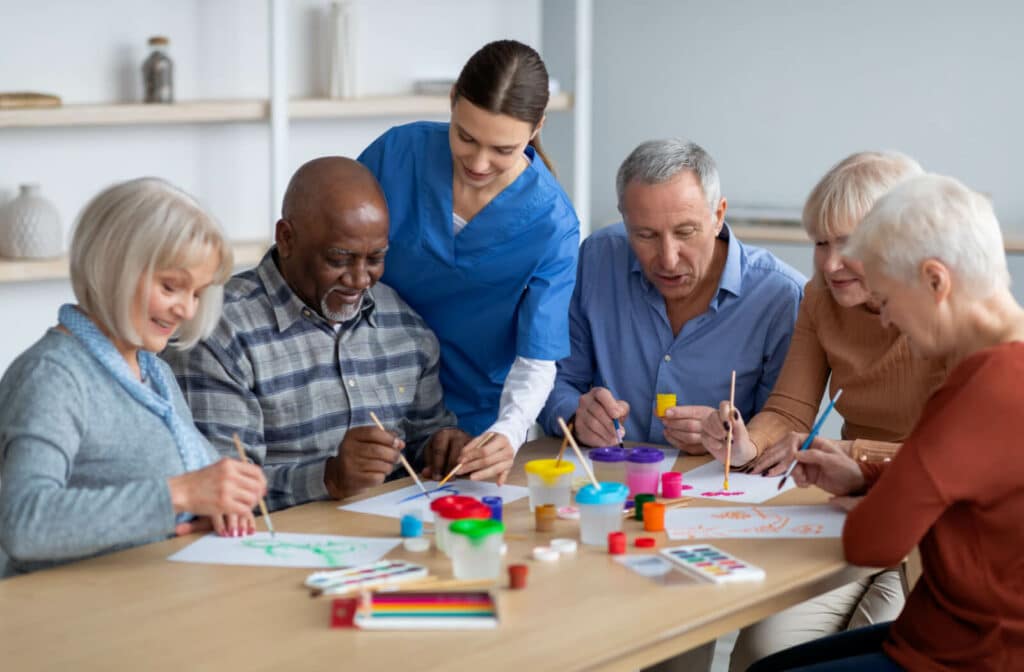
[(609, 454), (645, 455)]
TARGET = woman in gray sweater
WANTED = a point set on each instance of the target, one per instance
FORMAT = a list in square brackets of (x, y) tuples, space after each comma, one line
[(98, 451)]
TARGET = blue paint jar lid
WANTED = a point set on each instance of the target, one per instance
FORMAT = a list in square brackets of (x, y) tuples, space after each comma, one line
[(645, 455), (608, 454), (610, 493)]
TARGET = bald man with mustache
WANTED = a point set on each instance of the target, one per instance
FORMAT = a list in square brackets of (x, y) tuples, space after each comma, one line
[(310, 343)]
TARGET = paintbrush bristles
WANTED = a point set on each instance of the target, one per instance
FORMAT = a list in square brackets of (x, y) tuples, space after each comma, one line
[(579, 454)]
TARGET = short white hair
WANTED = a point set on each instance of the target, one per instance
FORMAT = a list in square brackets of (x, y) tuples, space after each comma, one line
[(658, 161), (848, 190), (934, 217), (129, 231)]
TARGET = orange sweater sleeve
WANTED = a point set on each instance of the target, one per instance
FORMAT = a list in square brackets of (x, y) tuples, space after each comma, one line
[(794, 400), (873, 536)]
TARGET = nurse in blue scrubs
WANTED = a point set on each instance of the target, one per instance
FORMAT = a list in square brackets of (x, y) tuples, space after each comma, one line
[(483, 245)]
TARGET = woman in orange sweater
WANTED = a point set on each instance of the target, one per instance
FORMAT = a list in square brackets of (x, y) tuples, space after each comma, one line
[(838, 332), (933, 256)]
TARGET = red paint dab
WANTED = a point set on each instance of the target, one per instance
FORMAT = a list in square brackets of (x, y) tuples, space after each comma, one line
[(722, 493)]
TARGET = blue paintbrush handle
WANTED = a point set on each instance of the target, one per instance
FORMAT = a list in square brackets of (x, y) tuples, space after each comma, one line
[(814, 433)]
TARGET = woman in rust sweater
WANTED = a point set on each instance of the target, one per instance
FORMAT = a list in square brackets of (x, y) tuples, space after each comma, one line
[(933, 255), (838, 332)]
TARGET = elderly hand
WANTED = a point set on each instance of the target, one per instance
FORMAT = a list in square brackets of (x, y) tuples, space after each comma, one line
[(594, 424), (683, 427), (443, 451), (776, 458), (226, 492), (365, 458), (483, 459), (827, 466), (715, 429)]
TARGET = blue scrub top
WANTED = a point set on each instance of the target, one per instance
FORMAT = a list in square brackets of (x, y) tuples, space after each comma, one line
[(499, 289)]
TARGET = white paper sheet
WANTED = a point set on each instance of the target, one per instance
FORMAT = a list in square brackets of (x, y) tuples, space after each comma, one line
[(706, 481), (755, 522), (286, 550), (411, 500)]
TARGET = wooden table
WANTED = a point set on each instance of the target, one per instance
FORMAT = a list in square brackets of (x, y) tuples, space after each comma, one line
[(135, 610)]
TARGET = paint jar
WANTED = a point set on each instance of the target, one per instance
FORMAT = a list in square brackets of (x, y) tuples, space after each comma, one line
[(494, 504), (544, 518), (654, 516), (609, 464), (671, 484), (549, 482), (476, 548), (638, 504), (643, 467), (452, 508), (664, 402), (600, 511)]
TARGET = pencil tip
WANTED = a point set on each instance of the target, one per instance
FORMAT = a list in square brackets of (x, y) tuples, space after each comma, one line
[(782, 482)]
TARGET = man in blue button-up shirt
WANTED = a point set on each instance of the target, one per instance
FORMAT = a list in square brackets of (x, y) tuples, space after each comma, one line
[(670, 302)]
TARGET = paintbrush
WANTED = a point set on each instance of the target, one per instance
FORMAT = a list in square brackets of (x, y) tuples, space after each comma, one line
[(810, 437), (263, 504), (405, 462), (728, 433)]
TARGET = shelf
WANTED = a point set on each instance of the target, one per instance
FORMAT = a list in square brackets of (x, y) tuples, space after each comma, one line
[(761, 233), (247, 253), (212, 111)]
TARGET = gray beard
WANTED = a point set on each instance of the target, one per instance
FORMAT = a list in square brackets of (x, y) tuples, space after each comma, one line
[(343, 315)]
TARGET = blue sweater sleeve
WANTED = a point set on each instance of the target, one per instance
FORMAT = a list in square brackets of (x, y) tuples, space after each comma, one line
[(575, 374), (45, 423)]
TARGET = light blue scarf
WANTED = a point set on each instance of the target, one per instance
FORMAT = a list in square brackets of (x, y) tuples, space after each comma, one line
[(157, 399)]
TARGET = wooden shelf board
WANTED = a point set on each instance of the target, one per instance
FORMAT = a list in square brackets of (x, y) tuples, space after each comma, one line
[(247, 253), (223, 111)]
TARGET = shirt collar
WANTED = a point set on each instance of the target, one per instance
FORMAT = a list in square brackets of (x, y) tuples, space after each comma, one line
[(289, 308), (731, 280)]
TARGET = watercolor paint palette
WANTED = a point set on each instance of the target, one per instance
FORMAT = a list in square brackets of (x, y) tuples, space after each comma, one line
[(713, 564), (442, 610), (364, 577)]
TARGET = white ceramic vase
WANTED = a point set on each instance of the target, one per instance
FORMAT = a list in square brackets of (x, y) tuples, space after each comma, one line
[(30, 227), (343, 43)]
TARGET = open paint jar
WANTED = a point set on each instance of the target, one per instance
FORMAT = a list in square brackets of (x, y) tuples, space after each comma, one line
[(549, 483), (600, 511), (476, 548)]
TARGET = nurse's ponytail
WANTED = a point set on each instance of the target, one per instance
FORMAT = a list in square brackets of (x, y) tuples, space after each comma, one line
[(508, 77)]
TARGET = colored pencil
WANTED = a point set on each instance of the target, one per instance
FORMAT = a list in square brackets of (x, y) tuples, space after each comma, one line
[(728, 434), (814, 433), (405, 462), (263, 503), (579, 454)]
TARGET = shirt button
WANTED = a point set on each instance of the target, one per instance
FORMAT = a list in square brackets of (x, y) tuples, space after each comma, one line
[(668, 358), (306, 312), (351, 382), (401, 389)]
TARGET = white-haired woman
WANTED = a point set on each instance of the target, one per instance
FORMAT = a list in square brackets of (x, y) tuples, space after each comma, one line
[(933, 255), (98, 451), (838, 339)]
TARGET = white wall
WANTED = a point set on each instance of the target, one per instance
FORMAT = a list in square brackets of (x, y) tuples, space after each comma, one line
[(91, 52), (779, 90)]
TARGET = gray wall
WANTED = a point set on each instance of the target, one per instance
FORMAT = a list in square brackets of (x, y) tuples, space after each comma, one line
[(778, 90)]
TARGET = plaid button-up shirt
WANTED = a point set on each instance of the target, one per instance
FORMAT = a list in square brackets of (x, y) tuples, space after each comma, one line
[(290, 385)]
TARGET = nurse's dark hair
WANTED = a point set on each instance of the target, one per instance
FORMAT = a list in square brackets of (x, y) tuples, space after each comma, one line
[(507, 77)]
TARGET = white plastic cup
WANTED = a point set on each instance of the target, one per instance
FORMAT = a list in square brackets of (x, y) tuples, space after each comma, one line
[(476, 548), (600, 511)]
